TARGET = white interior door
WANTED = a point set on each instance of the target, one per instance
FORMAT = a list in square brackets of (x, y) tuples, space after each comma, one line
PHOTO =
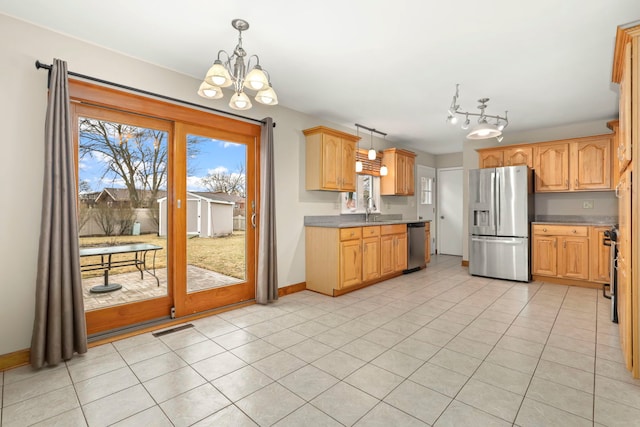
[(426, 199), (449, 211)]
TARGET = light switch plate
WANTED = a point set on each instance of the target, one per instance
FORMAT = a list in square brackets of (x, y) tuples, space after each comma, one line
[(587, 204)]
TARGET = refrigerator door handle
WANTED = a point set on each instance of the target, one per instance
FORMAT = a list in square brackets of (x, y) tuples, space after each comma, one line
[(498, 207), (504, 242)]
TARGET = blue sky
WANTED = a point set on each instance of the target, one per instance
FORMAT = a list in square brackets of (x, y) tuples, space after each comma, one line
[(213, 155)]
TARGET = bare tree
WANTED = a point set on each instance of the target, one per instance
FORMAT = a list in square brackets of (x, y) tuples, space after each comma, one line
[(136, 156), (227, 182)]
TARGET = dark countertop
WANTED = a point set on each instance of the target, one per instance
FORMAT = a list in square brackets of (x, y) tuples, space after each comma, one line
[(576, 220), (356, 220)]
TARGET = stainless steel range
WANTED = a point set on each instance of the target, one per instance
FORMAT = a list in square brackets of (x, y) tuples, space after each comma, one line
[(611, 239)]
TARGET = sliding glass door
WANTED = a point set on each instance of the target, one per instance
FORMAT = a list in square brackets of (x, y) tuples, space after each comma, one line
[(217, 239), (166, 198)]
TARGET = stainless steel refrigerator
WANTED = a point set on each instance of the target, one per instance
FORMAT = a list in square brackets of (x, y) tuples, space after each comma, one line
[(501, 209)]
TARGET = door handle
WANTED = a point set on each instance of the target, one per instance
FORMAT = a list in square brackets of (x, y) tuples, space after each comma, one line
[(442, 217), (253, 214)]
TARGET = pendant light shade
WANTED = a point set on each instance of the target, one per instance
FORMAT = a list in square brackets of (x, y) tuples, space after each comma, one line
[(267, 96), (218, 75), (240, 101), (383, 170), (256, 79), (209, 91), (359, 166), (484, 130), (372, 154)]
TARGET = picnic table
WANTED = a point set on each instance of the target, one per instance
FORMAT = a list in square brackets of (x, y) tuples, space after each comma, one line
[(106, 262)]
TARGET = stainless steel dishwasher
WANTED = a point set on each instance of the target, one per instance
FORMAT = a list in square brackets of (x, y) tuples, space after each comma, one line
[(415, 247)]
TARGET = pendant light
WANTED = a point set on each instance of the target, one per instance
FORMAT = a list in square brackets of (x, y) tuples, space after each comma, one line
[(358, 162), (241, 71), (372, 153), (383, 169)]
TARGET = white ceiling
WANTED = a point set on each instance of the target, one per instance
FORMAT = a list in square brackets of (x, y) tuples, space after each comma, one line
[(391, 65)]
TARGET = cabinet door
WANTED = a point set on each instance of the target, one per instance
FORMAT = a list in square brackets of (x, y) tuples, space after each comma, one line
[(544, 254), (624, 295), (518, 156), (350, 263), (427, 245), (347, 166), (574, 258), (401, 174), (400, 252), (623, 148), (552, 167), (409, 176), (386, 254), (491, 159), (331, 161), (599, 261), (591, 164), (370, 258)]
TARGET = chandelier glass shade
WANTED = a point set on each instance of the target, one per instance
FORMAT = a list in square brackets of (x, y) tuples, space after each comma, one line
[(232, 70), (484, 129)]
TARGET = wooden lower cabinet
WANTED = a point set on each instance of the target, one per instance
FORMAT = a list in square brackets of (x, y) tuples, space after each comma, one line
[(393, 248), (600, 261), (370, 258), (544, 255), (350, 263), (573, 258), (338, 260), (627, 290), (427, 242), (574, 253)]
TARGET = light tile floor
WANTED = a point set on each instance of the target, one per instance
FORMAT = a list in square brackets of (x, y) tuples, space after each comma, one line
[(436, 347)]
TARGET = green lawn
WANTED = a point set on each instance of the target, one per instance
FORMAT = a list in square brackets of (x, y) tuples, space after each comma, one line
[(225, 255)]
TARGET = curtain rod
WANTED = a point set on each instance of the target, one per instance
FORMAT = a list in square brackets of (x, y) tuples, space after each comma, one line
[(371, 129), (145, 92)]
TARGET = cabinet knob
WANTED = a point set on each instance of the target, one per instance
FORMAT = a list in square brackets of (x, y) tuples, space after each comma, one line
[(574, 231), (544, 229)]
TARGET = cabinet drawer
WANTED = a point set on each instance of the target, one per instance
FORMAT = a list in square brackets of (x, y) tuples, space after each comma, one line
[(352, 233), (393, 229), (561, 230), (371, 231)]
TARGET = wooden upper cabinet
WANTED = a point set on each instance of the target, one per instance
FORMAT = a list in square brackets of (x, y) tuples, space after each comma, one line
[(330, 159), (518, 156), (623, 146), (491, 158), (399, 180), (590, 167), (552, 167)]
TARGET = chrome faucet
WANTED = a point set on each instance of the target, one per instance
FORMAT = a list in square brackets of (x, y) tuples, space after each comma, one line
[(368, 210)]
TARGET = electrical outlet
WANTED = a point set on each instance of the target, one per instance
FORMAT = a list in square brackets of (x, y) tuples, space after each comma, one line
[(587, 204)]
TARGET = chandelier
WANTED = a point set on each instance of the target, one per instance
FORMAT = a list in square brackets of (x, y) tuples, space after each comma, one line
[(484, 129), (233, 71)]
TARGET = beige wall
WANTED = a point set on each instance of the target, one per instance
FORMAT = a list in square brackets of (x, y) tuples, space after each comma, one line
[(22, 109), (565, 204), (451, 160)]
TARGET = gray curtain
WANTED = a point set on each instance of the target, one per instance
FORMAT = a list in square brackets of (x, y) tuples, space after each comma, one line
[(267, 277), (59, 329)]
